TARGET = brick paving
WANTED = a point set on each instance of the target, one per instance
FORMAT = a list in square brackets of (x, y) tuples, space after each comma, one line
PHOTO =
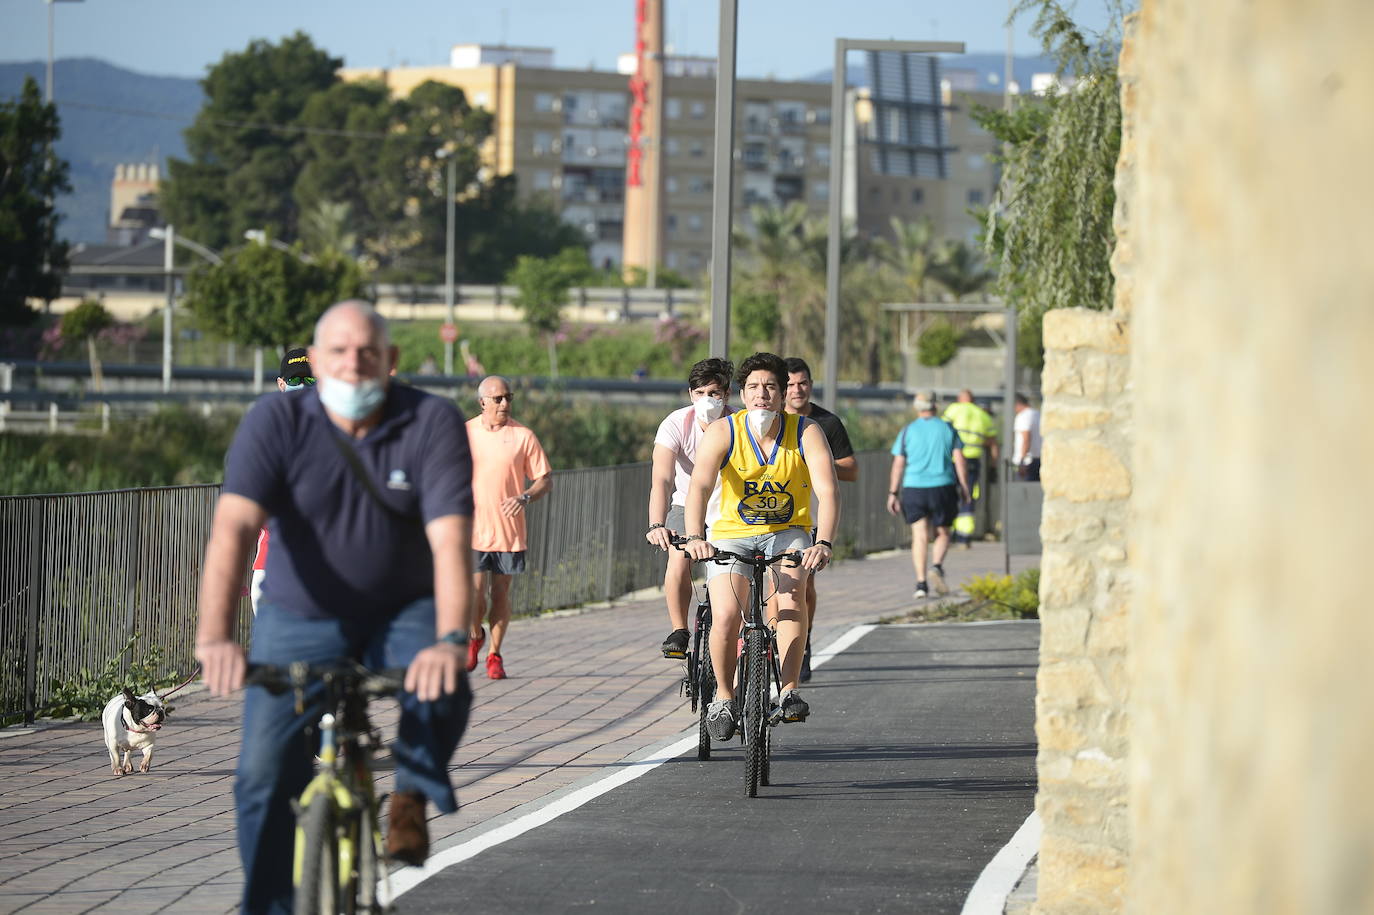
[(586, 689)]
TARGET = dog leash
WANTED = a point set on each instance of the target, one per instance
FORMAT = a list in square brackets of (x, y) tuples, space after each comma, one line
[(194, 674)]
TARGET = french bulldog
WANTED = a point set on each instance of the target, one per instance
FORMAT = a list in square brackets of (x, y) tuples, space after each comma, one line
[(131, 723)]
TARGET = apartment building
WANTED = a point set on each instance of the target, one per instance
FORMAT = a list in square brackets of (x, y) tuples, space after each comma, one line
[(565, 135)]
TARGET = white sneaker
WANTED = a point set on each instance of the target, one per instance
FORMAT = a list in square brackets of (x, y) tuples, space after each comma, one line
[(921, 592)]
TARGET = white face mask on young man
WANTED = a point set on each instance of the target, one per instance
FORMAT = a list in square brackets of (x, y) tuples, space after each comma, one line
[(761, 420), (709, 409)]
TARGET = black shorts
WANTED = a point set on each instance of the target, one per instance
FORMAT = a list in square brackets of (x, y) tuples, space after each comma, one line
[(938, 503), (500, 563)]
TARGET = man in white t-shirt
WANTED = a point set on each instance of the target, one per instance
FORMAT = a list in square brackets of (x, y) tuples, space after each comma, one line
[(1026, 434), (675, 452)]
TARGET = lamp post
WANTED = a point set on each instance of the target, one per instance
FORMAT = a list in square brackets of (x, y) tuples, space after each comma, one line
[(48, 86), (722, 177), (170, 238), (447, 154), (838, 114)]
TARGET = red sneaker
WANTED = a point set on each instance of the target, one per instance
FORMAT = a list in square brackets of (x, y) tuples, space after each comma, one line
[(495, 669), (474, 646)]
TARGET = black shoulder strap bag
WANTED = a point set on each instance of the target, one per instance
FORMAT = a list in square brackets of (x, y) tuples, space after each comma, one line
[(351, 458)]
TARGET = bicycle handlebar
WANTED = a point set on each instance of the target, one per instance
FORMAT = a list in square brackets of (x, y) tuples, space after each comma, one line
[(351, 675), (723, 557)]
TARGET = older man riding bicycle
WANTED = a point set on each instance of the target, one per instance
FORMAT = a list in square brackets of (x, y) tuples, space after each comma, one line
[(769, 464)]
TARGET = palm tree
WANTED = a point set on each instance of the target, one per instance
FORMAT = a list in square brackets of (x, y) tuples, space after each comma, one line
[(960, 269), (910, 253), (770, 257)]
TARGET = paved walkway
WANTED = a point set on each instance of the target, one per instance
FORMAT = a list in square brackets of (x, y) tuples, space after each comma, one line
[(586, 689)]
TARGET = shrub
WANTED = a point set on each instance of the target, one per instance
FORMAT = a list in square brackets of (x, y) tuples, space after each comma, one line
[(85, 697), (1020, 595), (938, 344)]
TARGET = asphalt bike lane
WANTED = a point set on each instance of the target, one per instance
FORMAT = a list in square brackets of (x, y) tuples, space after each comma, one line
[(917, 766)]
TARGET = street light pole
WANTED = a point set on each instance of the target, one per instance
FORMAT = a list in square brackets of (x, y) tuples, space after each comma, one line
[(723, 188), (167, 261), (47, 91), (448, 256), (838, 119)]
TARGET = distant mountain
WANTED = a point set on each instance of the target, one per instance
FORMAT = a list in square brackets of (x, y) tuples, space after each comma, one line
[(100, 134), (989, 67)]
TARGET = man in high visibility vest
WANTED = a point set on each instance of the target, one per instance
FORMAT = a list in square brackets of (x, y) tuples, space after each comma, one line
[(978, 431)]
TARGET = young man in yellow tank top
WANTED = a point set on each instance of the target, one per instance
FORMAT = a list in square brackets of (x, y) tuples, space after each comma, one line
[(769, 464)]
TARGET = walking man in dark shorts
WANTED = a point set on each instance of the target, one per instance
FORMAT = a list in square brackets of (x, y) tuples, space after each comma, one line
[(929, 478)]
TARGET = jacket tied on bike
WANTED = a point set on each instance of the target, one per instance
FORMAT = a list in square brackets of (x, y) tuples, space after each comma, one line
[(763, 493)]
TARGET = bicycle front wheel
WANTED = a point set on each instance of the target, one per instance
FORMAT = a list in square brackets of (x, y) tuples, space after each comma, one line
[(369, 866), (706, 692), (317, 859), (755, 709)]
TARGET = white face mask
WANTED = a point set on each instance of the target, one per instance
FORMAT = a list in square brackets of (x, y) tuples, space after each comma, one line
[(761, 421), (351, 401), (709, 409)]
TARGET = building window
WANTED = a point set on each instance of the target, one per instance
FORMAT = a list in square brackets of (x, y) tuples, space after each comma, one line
[(673, 108), (697, 150), (543, 179), (694, 222), (821, 153), (670, 184), (918, 195), (670, 222), (698, 186), (698, 109), (543, 143), (545, 101), (820, 190), (975, 197), (975, 163), (673, 146)]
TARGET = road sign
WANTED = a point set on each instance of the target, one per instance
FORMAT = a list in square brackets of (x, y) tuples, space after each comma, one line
[(449, 333)]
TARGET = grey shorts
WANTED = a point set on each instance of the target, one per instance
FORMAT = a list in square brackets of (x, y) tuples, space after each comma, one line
[(500, 563), (794, 538), (676, 520)]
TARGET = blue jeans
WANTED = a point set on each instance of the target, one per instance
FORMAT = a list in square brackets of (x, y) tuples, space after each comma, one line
[(276, 761)]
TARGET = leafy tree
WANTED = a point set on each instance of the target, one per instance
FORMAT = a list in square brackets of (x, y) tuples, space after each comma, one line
[(85, 322), (543, 285), (1050, 225), (757, 318), (246, 148), (31, 256), (264, 296)]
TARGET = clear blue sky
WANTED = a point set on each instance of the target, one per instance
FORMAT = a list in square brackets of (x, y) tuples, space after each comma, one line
[(781, 38)]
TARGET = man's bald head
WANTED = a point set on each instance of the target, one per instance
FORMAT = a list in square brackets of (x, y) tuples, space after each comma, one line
[(352, 311), (493, 385), (965, 396)]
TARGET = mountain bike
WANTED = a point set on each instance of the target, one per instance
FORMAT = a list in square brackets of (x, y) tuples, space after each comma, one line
[(338, 858), (758, 672), (699, 676)]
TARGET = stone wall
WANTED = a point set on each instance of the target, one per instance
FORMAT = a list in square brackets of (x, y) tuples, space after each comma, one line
[(1207, 502), (1082, 720)]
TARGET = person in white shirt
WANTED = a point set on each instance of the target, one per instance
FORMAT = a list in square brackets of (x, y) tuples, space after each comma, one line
[(1026, 434), (675, 452)]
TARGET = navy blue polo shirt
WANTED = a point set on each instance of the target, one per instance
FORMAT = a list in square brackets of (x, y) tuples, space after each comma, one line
[(334, 551)]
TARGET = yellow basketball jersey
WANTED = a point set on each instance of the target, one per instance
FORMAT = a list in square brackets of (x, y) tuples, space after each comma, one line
[(763, 493)]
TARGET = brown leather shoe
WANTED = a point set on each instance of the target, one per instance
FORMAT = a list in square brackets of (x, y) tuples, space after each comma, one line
[(407, 835)]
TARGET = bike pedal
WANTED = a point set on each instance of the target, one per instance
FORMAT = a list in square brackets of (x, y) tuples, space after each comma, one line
[(674, 655)]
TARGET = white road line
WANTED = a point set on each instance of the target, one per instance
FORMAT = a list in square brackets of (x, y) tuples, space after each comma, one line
[(620, 773), (998, 879)]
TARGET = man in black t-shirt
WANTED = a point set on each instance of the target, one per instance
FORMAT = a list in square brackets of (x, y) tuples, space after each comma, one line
[(798, 400)]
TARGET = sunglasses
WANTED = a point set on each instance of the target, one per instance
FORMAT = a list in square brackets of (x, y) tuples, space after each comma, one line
[(507, 398), (299, 382)]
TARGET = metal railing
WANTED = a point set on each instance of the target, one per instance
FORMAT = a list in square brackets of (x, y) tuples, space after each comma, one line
[(84, 572)]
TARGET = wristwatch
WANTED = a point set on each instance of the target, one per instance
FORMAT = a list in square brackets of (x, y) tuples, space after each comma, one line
[(827, 544), (524, 498), (655, 526), (456, 637)]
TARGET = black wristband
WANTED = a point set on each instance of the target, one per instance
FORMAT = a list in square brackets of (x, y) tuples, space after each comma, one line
[(456, 637), (894, 493), (655, 526), (827, 544), (694, 537)]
